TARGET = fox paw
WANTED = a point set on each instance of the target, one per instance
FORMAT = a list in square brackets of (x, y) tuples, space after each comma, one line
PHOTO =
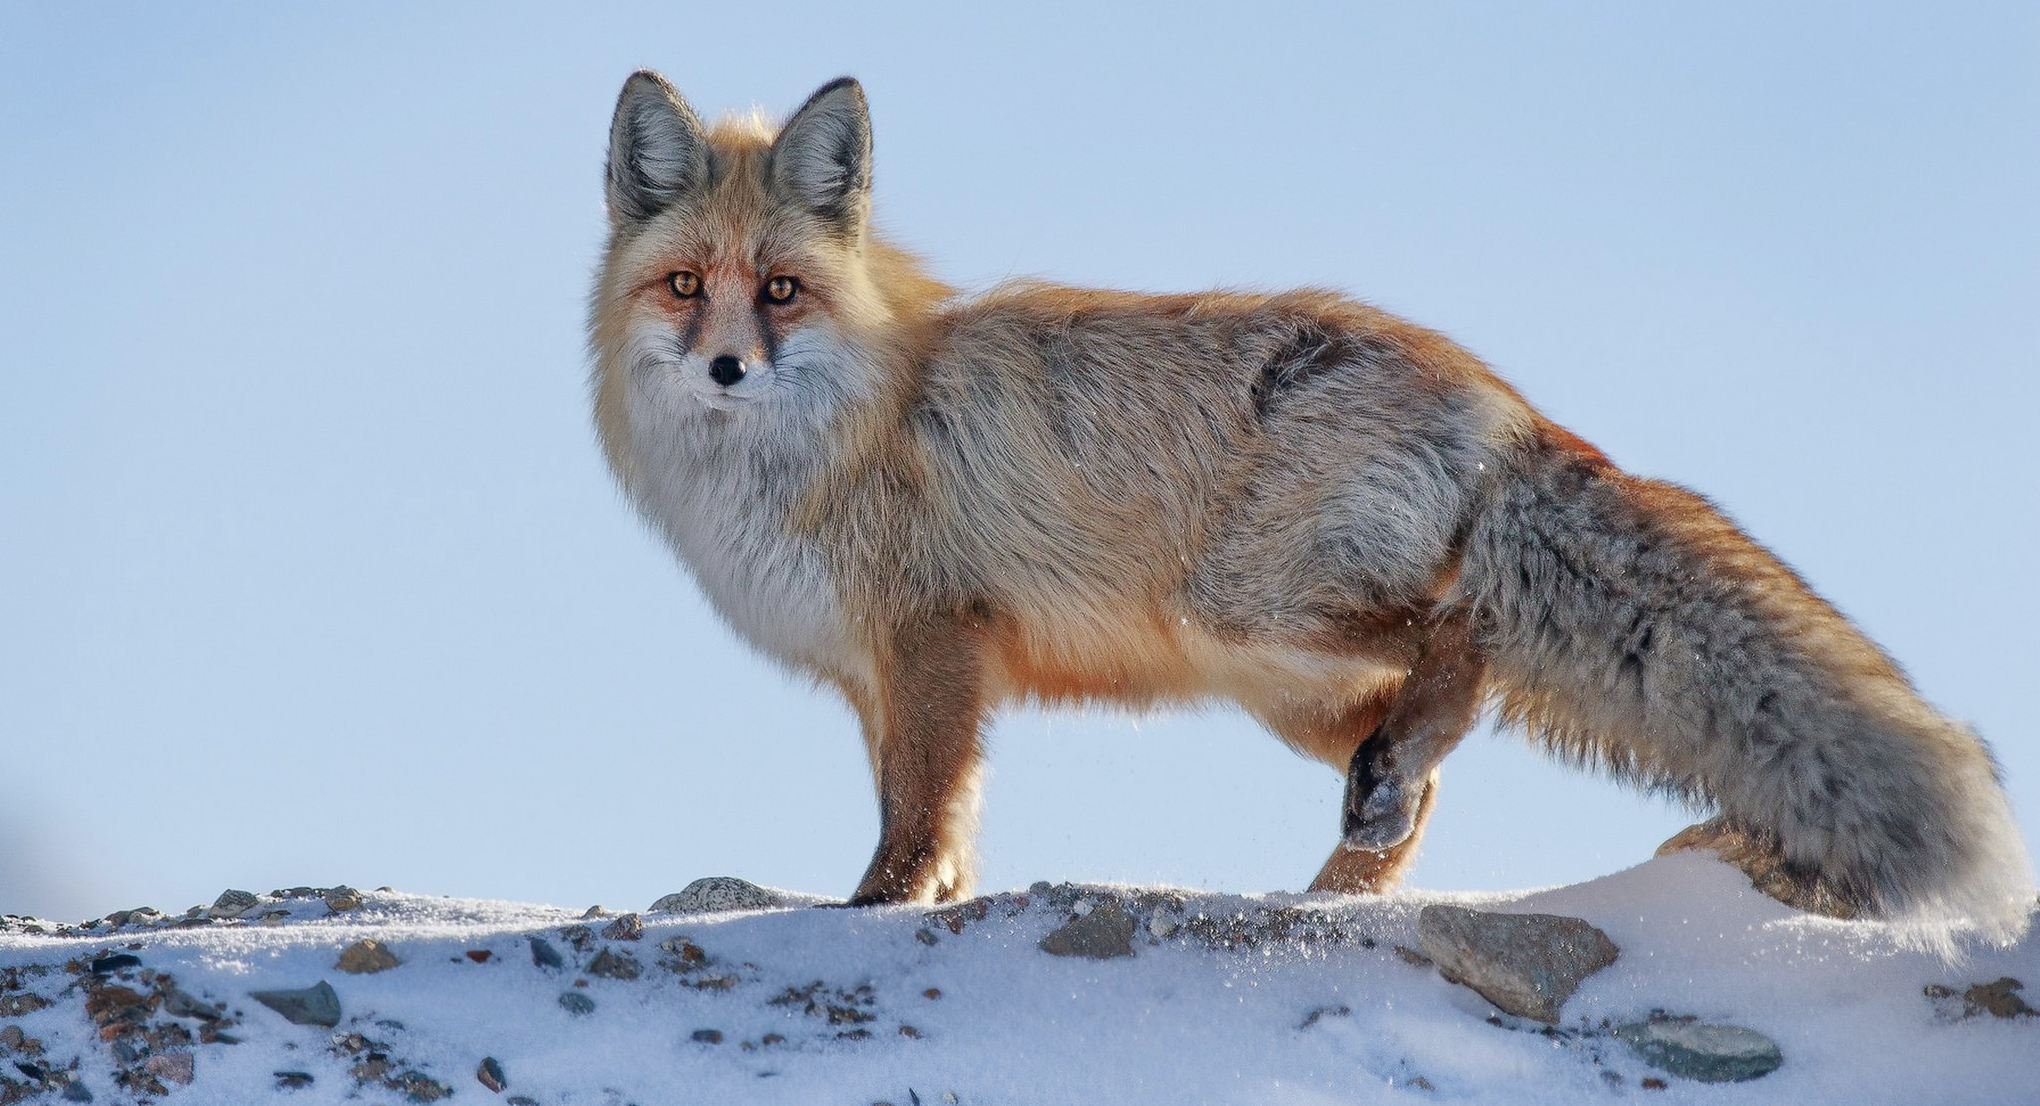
[(1380, 811)]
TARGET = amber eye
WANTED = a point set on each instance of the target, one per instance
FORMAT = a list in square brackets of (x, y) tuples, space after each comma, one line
[(781, 288), (686, 285)]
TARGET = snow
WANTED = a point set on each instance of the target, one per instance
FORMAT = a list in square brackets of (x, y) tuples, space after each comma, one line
[(1191, 1017)]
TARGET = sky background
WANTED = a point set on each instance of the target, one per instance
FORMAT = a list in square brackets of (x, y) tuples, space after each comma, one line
[(311, 572)]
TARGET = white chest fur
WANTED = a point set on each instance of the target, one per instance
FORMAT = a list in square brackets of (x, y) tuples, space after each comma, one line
[(721, 487)]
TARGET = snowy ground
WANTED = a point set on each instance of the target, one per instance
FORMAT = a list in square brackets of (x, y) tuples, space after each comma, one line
[(1227, 999)]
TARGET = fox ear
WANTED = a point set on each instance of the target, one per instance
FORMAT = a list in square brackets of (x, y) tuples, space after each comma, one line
[(658, 152), (822, 157)]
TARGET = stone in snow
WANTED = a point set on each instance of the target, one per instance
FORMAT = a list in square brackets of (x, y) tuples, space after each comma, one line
[(314, 1005), (715, 894), (366, 958), (1526, 964), (232, 904), (1103, 933), (577, 1003), (1703, 1051)]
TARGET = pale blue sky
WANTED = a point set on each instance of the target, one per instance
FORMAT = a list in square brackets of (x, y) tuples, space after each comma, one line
[(310, 571)]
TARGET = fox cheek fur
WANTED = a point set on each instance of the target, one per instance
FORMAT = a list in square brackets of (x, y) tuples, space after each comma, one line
[(1343, 522)]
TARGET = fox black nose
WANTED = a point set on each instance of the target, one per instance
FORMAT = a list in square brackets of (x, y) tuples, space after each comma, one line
[(726, 370)]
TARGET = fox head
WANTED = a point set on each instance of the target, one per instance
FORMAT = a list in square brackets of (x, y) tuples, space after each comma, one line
[(741, 281)]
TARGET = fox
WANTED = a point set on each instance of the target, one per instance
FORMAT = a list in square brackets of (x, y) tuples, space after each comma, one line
[(940, 504)]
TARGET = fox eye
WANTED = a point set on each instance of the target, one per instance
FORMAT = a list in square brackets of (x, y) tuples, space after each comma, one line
[(686, 285), (781, 289)]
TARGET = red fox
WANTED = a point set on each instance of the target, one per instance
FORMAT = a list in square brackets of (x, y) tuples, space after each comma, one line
[(1343, 522)]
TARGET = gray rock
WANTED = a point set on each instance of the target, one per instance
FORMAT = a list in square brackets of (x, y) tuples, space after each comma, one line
[(314, 1005), (626, 927), (76, 1091), (577, 1003), (1526, 964), (343, 898), (367, 958), (180, 1003), (611, 964), (232, 904), (1103, 933), (544, 955), (715, 894), (1703, 1051), (490, 1074)]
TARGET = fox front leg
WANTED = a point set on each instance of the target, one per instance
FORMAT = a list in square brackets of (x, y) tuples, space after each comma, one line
[(921, 730), (1391, 772)]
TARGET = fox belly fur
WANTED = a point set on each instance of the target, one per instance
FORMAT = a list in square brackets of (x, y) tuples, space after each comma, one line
[(1343, 522)]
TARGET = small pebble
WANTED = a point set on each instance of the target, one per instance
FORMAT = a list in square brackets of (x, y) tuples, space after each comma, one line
[(577, 1003), (708, 1036), (490, 1074)]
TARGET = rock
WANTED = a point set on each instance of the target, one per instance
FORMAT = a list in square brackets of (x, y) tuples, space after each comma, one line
[(1703, 1051), (292, 1080), (314, 1005), (171, 1067), (715, 894), (232, 904), (75, 1091), (343, 898), (1103, 933), (28, 1002), (543, 955), (182, 1004), (1999, 999), (107, 965), (1526, 964), (490, 1075), (1761, 861), (367, 958), (1412, 957), (708, 1036), (626, 927), (611, 964), (577, 1003), (479, 956)]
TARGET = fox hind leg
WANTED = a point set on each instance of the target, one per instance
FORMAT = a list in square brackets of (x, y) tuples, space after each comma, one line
[(1393, 771), (1333, 736), (1355, 871)]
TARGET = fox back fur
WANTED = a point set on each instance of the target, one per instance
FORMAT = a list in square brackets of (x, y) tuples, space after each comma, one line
[(1339, 520)]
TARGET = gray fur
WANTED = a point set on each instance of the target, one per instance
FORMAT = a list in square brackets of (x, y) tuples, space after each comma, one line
[(1631, 626), (657, 151), (822, 158)]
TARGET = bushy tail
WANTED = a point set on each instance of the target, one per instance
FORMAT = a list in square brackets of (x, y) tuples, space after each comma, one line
[(1630, 625)]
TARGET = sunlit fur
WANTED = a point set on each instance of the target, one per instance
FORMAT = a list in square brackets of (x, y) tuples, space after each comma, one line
[(940, 503)]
